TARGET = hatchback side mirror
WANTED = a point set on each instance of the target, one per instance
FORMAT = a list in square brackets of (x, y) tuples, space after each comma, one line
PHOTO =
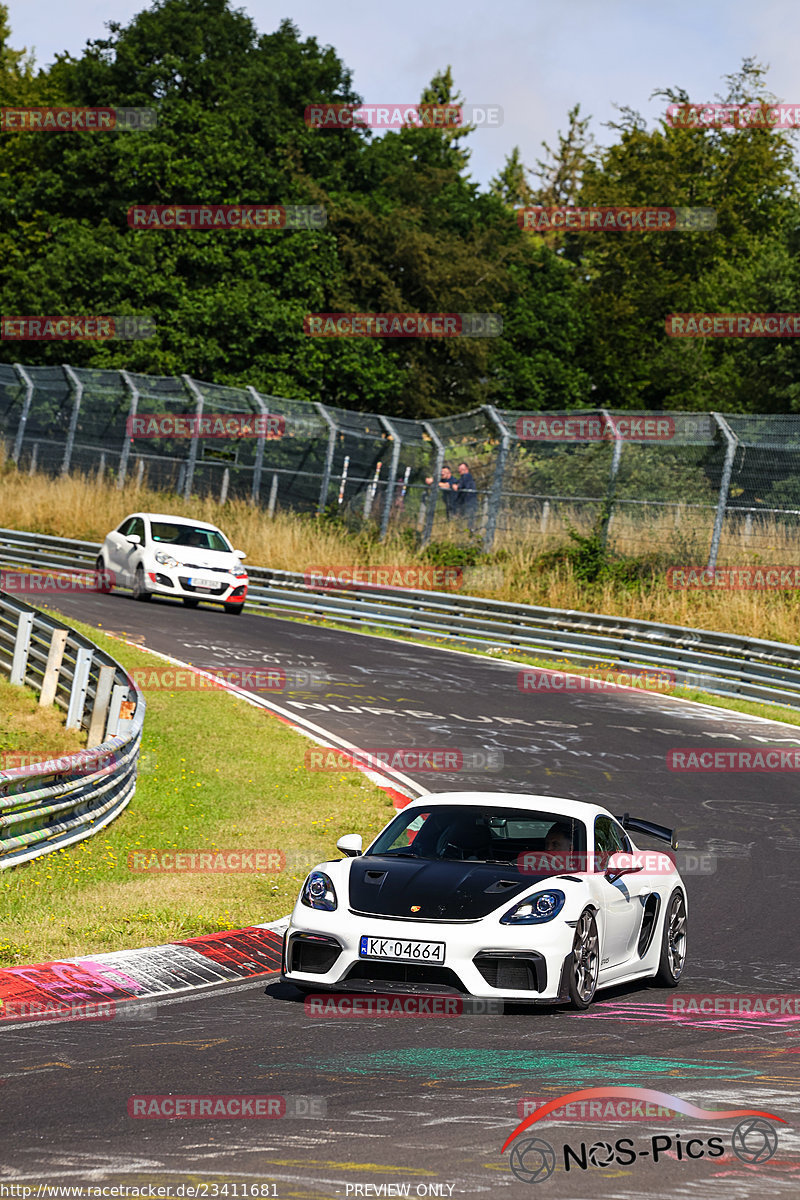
[(134, 539), (240, 554), (350, 844)]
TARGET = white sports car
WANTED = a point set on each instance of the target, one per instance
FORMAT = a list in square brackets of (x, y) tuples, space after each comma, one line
[(159, 555), (494, 894)]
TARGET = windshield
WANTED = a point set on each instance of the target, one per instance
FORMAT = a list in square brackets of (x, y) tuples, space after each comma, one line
[(518, 838), (188, 535)]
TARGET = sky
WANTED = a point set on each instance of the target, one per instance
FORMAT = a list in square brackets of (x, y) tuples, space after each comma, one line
[(534, 58)]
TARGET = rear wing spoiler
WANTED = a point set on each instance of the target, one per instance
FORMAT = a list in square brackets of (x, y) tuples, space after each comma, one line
[(656, 831)]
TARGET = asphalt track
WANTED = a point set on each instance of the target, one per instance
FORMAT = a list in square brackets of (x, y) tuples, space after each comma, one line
[(428, 1102)]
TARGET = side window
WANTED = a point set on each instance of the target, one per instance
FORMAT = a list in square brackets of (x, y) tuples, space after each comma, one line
[(137, 526), (127, 526), (609, 838)]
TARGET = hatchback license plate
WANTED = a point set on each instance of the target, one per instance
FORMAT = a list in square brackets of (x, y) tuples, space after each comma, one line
[(206, 584), (398, 948)]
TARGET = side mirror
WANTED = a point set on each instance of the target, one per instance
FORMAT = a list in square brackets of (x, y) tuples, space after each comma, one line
[(240, 554), (134, 539), (622, 864), (350, 844)]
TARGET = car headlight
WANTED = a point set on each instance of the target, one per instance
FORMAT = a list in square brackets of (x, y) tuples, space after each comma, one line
[(318, 892), (166, 560), (536, 909), (239, 574)]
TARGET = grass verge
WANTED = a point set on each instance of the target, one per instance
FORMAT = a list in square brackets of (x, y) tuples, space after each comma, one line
[(216, 774)]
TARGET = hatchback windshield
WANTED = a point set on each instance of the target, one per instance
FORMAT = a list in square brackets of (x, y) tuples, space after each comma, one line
[(527, 840), (188, 535)]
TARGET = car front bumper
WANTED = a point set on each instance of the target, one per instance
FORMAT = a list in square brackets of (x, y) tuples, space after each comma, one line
[(176, 581), (483, 958)]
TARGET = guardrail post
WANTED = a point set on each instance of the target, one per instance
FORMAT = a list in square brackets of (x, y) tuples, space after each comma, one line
[(126, 445), (495, 495), (397, 444), (608, 506), (55, 656), (259, 463), (333, 430), (80, 685), (433, 491), (119, 693), (77, 388), (22, 644), (724, 487), (198, 412), (26, 408), (102, 699)]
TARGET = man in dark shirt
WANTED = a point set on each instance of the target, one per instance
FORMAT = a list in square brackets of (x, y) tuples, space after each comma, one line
[(449, 489), (467, 496)]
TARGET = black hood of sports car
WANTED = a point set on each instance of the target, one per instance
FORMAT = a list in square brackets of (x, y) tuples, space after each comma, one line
[(385, 886)]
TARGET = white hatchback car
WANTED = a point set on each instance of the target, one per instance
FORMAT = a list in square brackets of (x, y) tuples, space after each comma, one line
[(159, 555)]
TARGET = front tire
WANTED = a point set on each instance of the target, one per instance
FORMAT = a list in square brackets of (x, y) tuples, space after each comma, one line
[(140, 592), (189, 603), (673, 942), (104, 584), (235, 609), (585, 961)]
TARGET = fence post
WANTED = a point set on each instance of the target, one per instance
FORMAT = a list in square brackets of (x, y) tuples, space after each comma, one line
[(259, 463), (198, 412), (34, 457), (545, 517), (51, 672), (724, 487), (22, 644), (26, 408), (608, 507), (433, 490), (80, 685), (273, 496), (77, 388), (496, 493), (397, 444), (126, 445), (102, 699), (333, 430)]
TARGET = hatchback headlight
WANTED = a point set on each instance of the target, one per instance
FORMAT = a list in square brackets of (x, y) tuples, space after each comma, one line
[(535, 910), (318, 892), (166, 560)]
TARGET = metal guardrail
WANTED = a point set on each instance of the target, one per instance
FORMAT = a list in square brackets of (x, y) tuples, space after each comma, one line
[(48, 805), (722, 664)]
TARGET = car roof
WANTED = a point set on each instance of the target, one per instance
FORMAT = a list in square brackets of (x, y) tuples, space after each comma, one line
[(169, 517), (581, 810)]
